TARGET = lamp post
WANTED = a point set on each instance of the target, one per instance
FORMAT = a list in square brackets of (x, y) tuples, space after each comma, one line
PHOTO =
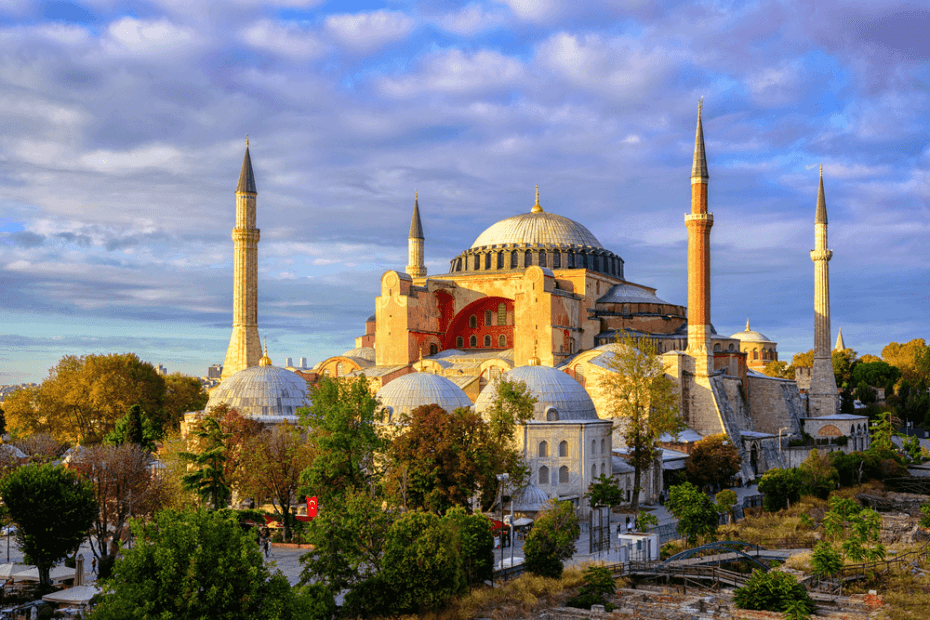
[(502, 479)]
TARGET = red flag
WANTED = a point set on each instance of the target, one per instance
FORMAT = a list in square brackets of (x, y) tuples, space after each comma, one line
[(311, 507)]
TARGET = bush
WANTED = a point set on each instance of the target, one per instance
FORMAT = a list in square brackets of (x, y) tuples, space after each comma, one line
[(598, 584), (781, 487), (697, 515), (551, 540), (773, 591), (826, 560)]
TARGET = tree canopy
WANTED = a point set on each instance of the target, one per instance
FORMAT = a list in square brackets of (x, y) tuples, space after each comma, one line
[(696, 513), (552, 539), (53, 509), (713, 462), (208, 460)]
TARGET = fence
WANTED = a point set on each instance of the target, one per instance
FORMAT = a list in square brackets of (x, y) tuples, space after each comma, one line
[(833, 584)]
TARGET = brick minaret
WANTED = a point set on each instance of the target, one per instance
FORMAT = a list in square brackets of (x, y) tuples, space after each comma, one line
[(245, 348), (699, 222), (416, 268), (822, 396)]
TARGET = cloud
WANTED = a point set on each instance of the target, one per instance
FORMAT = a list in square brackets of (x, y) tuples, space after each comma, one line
[(470, 20), (366, 32), (454, 71), (536, 10), (139, 37), (291, 40)]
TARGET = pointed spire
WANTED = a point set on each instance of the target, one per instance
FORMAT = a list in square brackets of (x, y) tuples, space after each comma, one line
[(747, 325), (265, 361), (840, 345), (246, 176), (534, 361), (416, 226), (536, 207), (821, 202), (699, 167)]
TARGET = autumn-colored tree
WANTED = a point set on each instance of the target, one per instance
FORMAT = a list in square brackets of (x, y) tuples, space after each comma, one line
[(124, 485), (912, 359), (237, 431), (182, 394), (713, 462), (83, 397), (643, 400), (779, 369), (820, 475), (41, 448), (270, 468), (174, 468)]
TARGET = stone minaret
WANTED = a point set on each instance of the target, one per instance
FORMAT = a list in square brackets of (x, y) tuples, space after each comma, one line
[(245, 348), (699, 222), (822, 396), (416, 268), (840, 345)]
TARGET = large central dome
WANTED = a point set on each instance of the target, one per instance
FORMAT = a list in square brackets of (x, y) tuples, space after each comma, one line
[(540, 228)]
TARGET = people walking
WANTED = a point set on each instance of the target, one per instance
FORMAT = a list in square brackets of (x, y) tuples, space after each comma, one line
[(93, 565)]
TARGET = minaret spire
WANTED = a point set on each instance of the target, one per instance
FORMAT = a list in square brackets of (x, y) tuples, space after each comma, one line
[(699, 223), (537, 208), (823, 398), (245, 349), (416, 266), (840, 345)]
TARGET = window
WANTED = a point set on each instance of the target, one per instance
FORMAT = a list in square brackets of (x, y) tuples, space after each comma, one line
[(552, 415), (326, 372), (570, 260), (473, 321), (755, 354), (602, 469), (477, 262), (487, 342), (571, 346), (500, 260), (563, 448), (459, 342), (501, 314), (473, 341), (433, 349), (603, 446), (542, 258), (487, 260), (730, 348), (563, 475), (717, 348), (340, 369), (543, 449), (527, 258), (502, 341), (514, 261), (593, 446), (495, 372), (488, 317), (593, 472), (556, 260), (543, 475)]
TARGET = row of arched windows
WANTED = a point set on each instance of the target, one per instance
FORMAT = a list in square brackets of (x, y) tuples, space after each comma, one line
[(563, 474), (718, 349), (519, 259), (473, 342), (490, 317), (563, 448)]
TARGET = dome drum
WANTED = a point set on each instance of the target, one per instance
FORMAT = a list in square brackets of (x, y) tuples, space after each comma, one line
[(514, 257)]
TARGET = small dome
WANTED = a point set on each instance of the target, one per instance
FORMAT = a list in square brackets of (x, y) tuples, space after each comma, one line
[(541, 228), (558, 396), (529, 499), (406, 393), (749, 335), (365, 353), (260, 391)]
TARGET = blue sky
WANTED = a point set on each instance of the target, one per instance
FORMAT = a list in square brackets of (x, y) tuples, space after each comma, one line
[(124, 126)]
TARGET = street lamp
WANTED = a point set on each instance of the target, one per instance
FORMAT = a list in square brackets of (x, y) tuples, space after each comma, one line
[(502, 479)]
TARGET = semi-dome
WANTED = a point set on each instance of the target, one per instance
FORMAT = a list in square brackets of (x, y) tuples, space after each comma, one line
[(559, 397), (262, 391), (404, 394), (749, 335), (541, 228)]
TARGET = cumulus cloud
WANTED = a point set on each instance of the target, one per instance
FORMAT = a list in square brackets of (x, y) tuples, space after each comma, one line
[(365, 32), (470, 19), (139, 37), (454, 71), (292, 40)]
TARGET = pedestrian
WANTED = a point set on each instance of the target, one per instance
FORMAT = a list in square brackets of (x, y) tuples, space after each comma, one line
[(629, 524), (93, 565), (266, 545)]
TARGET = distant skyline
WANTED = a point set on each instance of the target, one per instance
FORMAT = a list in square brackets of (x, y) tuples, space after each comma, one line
[(124, 126)]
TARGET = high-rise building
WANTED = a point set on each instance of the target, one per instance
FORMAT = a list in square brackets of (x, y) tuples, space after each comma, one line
[(288, 362), (303, 362), (215, 371)]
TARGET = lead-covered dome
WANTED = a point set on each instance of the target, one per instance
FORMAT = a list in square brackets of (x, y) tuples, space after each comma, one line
[(262, 392), (749, 335), (404, 394), (539, 228), (559, 397)]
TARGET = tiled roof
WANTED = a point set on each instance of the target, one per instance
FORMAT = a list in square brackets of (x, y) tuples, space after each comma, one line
[(544, 229), (262, 391), (422, 388), (552, 388)]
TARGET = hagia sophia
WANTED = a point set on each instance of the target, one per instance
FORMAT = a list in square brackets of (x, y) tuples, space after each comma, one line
[(536, 297)]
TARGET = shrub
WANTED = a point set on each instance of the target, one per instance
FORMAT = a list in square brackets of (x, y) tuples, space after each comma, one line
[(826, 560), (551, 540), (696, 514), (598, 584), (773, 591), (781, 487)]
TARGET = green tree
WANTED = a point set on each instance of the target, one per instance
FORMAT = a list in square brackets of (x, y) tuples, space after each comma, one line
[(603, 491), (208, 478), (883, 432), (726, 499), (83, 397), (925, 518), (552, 540), (271, 467), (476, 544), (341, 433), (53, 509), (844, 362), (643, 399), (713, 462), (773, 591), (819, 475), (598, 584), (826, 560), (780, 487), (697, 515), (182, 394), (200, 565), (646, 521), (856, 527), (875, 374), (136, 428)]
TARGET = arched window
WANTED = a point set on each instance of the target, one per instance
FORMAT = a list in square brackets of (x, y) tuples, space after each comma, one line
[(487, 341), (603, 446), (543, 475), (563, 475), (570, 260), (326, 372), (502, 341), (602, 469), (340, 369), (543, 449), (552, 414), (755, 354), (514, 261), (730, 348), (593, 472), (542, 258), (500, 260), (477, 262), (593, 446), (717, 348), (487, 260), (556, 260), (473, 341), (579, 373), (527, 258), (501, 314), (433, 349), (473, 321), (488, 317), (563, 448), (459, 342), (571, 346)]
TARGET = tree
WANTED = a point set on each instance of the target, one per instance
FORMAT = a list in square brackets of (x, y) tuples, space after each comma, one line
[(726, 499), (780, 487), (911, 358), (238, 431), (773, 591), (271, 466), (341, 433), (135, 428), (643, 399), (41, 448), (476, 544), (713, 462), (856, 527), (552, 540), (779, 369), (697, 515), (199, 565), (876, 374), (182, 394), (84, 396), (2, 422), (208, 479), (819, 475), (124, 486), (844, 361), (826, 560), (603, 491), (53, 509), (598, 584)]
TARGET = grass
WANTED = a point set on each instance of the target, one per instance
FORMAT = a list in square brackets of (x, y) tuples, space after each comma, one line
[(785, 527), (907, 595)]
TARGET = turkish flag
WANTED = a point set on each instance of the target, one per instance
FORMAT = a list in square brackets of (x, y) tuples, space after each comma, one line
[(311, 507)]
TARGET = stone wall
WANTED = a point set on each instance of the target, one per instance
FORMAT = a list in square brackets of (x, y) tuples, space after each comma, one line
[(775, 404)]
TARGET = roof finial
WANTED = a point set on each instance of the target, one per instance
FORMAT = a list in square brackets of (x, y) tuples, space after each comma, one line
[(747, 325), (246, 140), (536, 208), (534, 361), (821, 171), (265, 361)]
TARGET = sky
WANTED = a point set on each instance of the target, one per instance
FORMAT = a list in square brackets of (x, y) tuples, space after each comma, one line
[(123, 127)]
